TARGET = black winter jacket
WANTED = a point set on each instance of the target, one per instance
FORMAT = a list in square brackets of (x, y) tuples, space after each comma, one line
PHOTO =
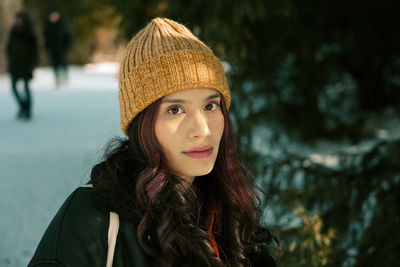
[(78, 236), (57, 37), (22, 52)]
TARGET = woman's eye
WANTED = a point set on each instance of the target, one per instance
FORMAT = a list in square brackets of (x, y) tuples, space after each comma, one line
[(211, 106), (175, 110)]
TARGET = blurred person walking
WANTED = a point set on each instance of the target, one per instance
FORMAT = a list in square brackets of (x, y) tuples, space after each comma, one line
[(58, 39), (22, 58)]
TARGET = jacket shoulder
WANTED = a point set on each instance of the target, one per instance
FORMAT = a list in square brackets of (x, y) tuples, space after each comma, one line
[(77, 235)]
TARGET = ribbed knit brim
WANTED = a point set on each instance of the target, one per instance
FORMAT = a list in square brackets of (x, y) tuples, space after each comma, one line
[(163, 58)]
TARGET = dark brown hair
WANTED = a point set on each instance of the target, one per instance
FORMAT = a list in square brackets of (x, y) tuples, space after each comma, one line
[(134, 180)]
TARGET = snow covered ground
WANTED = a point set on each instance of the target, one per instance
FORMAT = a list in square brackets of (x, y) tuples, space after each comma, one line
[(43, 160)]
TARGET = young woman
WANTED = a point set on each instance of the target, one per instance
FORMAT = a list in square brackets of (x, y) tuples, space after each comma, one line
[(176, 185)]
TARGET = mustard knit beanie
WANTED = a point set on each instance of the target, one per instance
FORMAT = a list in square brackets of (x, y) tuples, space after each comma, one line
[(163, 58)]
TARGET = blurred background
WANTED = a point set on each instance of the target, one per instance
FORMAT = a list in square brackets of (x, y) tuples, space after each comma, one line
[(316, 104)]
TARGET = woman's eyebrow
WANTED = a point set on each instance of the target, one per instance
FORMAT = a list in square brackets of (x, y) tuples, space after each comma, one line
[(183, 101), (173, 101), (213, 96)]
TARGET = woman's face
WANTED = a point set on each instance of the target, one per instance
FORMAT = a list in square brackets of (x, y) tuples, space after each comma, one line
[(189, 127)]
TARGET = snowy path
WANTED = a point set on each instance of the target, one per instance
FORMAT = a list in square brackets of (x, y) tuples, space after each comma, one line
[(43, 160)]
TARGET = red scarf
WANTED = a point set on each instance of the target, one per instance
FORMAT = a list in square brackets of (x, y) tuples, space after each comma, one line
[(213, 224)]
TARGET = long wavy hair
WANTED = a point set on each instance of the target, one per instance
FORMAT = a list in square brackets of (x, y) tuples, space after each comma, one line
[(172, 217)]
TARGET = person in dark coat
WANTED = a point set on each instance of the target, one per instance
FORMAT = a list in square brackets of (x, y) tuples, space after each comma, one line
[(58, 39), (174, 192), (22, 58)]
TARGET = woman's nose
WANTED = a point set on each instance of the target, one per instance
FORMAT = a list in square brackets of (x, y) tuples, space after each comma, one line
[(199, 126)]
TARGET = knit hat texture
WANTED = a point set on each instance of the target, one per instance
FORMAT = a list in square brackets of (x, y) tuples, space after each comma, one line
[(165, 57)]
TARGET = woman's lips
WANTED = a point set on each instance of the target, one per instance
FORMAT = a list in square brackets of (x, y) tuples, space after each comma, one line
[(199, 153)]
